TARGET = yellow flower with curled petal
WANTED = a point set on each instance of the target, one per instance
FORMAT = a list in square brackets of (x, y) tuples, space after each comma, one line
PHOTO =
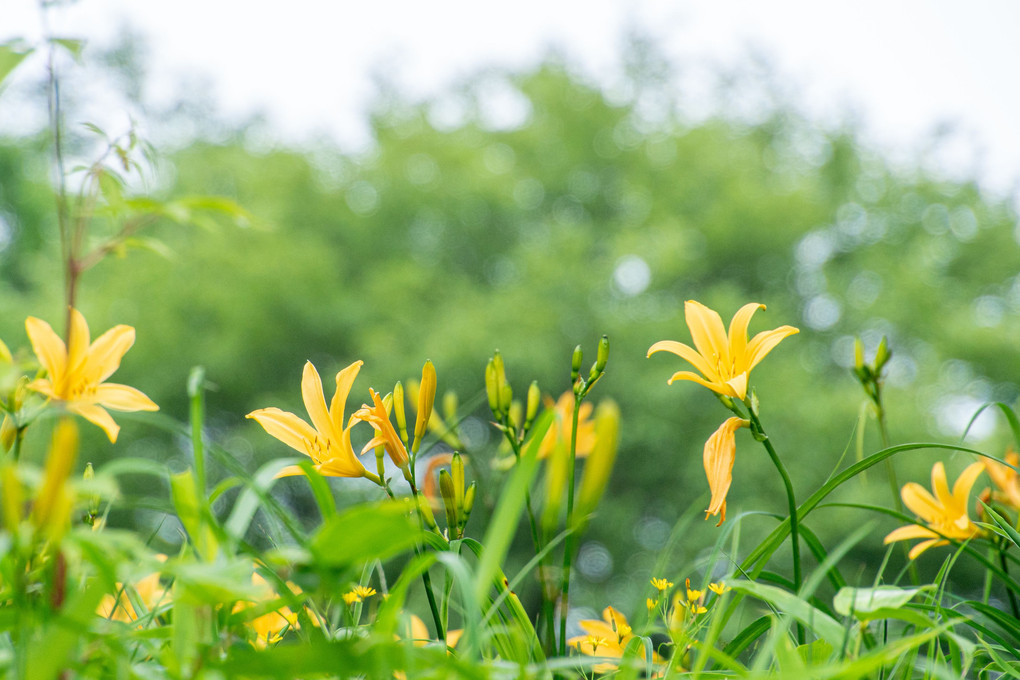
[(378, 416), (76, 371), (327, 441), (945, 513), (725, 361), (720, 453)]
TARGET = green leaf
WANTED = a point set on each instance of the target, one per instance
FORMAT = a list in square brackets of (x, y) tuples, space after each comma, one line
[(863, 601), (376, 531), (1002, 526), (73, 46), (826, 627), (12, 54)]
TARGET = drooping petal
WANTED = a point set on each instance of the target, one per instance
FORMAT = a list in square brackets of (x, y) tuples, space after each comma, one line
[(123, 398), (739, 385), (738, 330), (315, 402), (687, 353), (720, 452), (708, 333), (96, 415), (921, 547), (763, 343), (344, 382), (908, 532), (920, 502), (106, 352), (48, 347), (286, 427), (599, 629)]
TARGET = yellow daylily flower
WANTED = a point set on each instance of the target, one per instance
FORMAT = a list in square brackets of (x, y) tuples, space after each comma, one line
[(606, 638), (1006, 480), (720, 452), (269, 627), (945, 513), (76, 371), (724, 360), (327, 441), (150, 592)]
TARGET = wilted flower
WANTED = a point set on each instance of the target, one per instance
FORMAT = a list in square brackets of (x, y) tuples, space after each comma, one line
[(945, 513), (75, 372), (720, 453), (724, 360), (328, 443)]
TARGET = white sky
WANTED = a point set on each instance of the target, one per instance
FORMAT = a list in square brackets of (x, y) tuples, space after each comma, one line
[(905, 66)]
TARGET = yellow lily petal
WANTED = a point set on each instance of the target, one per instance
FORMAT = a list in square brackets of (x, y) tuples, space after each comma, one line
[(286, 427), (96, 415), (77, 342), (47, 345), (738, 329), (765, 342), (315, 402), (123, 398), (720, 387), (708, 333), (109, 348), (908, 532), (686, 353), (720, 452), (965, 482), (921, 547), (344, 383), (920, 502)]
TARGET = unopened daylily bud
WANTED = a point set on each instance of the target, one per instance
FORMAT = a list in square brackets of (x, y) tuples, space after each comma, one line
[(858, 356), (5, 354), (602, 356), (492, 388), (450, 406), (469, 499), (398, 409), (11, 497), (506, 398), (426, 399), (534, 399), (457, 472), (449, 499), (556, 470), (600, 461), (425, 508), (514, 416), (8, 432), (882, 354), (575, 364)]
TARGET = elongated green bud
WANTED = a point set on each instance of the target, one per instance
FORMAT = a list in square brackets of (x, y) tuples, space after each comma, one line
[(426, 511), (426, 399), (449, 499), (882, 354), (602, 356), (398, 410), (492, 388), (506, 398), (534, 400), (575, 364), (600, 461), (469, 499), (515, 413), (457, 472), (93, 511), (556, 470)]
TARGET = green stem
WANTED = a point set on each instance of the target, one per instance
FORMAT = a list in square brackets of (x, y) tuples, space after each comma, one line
[(791, 500), (1005, 569), (894, 484), (568, 545)]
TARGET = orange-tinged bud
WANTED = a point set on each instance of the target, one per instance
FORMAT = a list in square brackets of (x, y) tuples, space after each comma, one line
[(398, 409)]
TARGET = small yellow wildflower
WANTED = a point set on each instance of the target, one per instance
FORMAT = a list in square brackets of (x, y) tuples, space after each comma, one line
[(725, 362), (651, 604), (358, 594), (76, 371), (693, 595), (945, 513), (661, 584), (327, 442), (719, 588)]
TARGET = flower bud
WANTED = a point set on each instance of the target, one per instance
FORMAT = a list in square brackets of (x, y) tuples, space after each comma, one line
[(450, 405), (53, 497), (426, 399), (469, 499), (449, 499), (425, 508), (93, 511), (8, 432), (506, 397), (534, 399), (602, 356), (858, 356), (600, 461), (492, 388), (556, 470), (398, 409), (882, 354), (457, 472), (575, 364)]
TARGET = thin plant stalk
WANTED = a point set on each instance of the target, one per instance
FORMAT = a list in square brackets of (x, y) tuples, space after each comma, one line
[(568, 545)]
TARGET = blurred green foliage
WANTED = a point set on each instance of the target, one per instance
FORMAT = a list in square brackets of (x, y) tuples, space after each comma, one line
[(449, 239)]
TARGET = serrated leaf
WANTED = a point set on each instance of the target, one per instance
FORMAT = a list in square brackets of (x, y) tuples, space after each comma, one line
[(862, 601)]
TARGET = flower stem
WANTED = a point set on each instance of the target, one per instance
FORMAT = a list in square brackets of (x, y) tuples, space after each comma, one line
[(791, 500), (568, 545), (1005, 568)]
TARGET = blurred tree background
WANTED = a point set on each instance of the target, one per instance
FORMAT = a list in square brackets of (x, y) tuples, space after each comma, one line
[(586, 211)]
